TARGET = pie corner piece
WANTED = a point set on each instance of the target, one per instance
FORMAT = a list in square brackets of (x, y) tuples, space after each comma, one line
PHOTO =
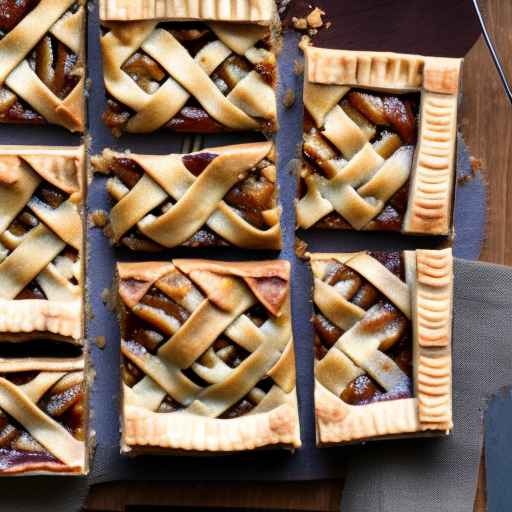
[(214, 73), (379, 148), (212, 369), (43, 356), (383, 355), (42, 63), (156, 199)]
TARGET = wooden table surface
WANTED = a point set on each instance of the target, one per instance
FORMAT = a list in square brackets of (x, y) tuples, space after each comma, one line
[(487, 126)]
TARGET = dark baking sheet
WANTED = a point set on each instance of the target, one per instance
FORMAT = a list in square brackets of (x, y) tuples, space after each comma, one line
[(308, 462)]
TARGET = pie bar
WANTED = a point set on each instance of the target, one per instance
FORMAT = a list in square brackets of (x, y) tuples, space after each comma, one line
[(207, 356), (214, 197), (42, 62), (383, 324), (42, 414), (43, 394), (379, 142), (197, 66)]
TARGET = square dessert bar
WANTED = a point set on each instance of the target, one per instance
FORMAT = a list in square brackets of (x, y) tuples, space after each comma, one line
[(213, 197), (42, 55), (207, 356), (383, 328), (43, 391), (379, 147), (196, 66)]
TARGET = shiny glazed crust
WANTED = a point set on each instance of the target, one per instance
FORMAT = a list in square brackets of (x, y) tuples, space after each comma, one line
[(329, 76), (429, 292), (198, 201), (254, 11), (229, 289), (17, 74), (32, 256)]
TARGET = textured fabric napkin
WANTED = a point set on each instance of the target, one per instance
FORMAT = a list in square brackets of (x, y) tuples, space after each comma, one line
[(441, 474)]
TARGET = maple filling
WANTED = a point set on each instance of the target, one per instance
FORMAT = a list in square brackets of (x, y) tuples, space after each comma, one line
[(249, 198), (53, 62), (141, 336), (64, 402), (51, 197), (192, 117), (385, 317), (389, 122)]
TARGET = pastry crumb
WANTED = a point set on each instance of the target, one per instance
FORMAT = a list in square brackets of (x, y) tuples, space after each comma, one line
[(294, 166), (305, 41), (101, 342), (314, 18), (298, 67), (299, 23), (108, 299), (288, 98), (99, 218), (476, 165), (301, 248)]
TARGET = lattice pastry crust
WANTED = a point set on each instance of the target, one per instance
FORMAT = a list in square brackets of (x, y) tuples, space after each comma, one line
[(42, 73), (367, 163), (49, 436), (41, 239), (370, 381), (208, 75), (216, 196), (208, 361)]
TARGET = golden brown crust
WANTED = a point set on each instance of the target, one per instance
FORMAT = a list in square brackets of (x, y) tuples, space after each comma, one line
[(249, 105), (18, 75), (329, 76), (216, 296), (142, 428), (36, 255), (198, 201), (255, 11), (433, 295), (429, 293), (50, 255), (432, 181)]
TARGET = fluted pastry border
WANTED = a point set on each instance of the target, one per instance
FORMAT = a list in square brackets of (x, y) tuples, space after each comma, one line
[(430, 204), (429, 275), (240, 11), (146, 431)]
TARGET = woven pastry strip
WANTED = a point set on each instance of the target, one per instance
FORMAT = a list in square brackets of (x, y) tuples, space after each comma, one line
[(208, 356), (42, 72), (217, 196), (367, 165), (41, 242), (383, 344), (204, 77)]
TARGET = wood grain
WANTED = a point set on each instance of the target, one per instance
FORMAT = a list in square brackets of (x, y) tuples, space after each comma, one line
[(487, 127)]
